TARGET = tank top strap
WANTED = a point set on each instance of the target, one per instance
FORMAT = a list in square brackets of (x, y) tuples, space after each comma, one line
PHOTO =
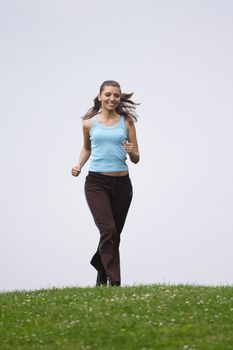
[(95, 120), (122, 121)]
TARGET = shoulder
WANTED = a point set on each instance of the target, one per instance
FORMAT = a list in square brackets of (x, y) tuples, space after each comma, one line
[(129, 123), (88, 123)]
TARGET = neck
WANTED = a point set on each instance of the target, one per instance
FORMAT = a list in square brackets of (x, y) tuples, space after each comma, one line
[(108, 114)]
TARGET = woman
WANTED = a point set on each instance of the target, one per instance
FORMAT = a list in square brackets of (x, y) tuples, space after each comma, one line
[(109, 135)]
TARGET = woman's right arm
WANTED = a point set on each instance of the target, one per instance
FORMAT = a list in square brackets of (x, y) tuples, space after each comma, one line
[(86, 150)]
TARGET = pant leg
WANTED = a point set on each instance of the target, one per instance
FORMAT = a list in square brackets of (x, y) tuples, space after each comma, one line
[(120, 201), (106, 259)]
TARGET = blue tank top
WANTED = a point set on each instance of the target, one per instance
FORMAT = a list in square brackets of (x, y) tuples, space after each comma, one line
[(107, 151)]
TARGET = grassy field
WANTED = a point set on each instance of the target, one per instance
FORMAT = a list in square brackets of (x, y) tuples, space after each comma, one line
[(171, 317)]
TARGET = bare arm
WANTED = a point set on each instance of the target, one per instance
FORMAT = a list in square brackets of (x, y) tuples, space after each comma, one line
[(86, 149), (131, 146)]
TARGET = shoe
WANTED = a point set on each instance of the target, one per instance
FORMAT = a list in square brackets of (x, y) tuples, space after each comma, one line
[(101, 279), (114, 284)]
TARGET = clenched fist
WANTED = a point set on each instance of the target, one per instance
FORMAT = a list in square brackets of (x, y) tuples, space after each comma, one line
[(128, 146), (76, 170)]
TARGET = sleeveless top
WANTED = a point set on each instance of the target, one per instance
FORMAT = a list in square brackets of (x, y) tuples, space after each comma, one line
[(107, 151)]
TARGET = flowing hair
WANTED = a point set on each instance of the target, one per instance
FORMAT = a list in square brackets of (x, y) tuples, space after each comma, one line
[(126, 106)]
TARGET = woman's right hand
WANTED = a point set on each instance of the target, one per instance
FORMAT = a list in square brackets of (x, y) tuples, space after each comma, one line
[(76, 170)]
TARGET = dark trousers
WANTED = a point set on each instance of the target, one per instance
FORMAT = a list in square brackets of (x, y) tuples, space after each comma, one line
[(109, 199)]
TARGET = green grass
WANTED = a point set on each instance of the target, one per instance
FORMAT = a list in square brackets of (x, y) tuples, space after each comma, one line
[(170, 317)]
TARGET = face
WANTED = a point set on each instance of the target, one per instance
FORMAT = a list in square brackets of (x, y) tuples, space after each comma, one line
[(110, 97)]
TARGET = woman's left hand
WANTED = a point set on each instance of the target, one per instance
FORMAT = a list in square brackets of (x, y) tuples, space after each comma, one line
[(128, 146)]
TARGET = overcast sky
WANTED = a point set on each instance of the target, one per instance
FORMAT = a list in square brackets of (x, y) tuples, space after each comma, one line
[(176, 56)]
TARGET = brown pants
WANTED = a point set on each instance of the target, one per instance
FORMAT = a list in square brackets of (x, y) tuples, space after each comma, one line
[(108, 198)]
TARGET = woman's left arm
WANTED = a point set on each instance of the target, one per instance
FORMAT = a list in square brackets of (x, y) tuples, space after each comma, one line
[(131, 146)]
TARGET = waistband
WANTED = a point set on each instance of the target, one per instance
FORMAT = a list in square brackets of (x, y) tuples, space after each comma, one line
[(107, 177)]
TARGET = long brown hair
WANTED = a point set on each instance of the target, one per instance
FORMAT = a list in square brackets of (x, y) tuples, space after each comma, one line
[(125, 108)]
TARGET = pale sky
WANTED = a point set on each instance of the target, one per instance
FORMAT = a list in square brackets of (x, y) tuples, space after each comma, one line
[(176, 56)]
